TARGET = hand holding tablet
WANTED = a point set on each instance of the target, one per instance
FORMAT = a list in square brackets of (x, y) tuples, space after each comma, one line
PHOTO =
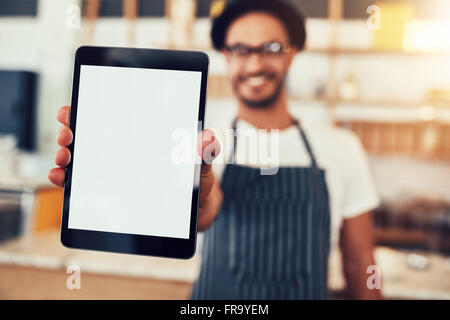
[(123, 192)]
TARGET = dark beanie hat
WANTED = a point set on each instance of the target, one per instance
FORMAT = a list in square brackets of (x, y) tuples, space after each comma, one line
[(225, 12)]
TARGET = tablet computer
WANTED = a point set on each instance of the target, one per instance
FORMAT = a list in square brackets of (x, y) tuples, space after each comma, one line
[(132, 185)]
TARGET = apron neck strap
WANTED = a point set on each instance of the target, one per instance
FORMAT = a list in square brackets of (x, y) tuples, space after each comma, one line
[(306, 143), (302, 134)]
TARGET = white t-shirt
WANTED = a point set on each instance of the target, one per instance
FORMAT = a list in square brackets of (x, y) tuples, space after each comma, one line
[(336, 150)]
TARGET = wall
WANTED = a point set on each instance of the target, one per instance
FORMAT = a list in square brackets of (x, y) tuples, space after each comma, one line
[(44, 44)]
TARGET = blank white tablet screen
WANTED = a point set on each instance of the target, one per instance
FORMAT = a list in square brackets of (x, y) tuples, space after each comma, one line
[(124, 178)]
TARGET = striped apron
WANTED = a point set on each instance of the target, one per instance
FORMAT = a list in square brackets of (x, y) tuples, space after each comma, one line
[(271, 238)]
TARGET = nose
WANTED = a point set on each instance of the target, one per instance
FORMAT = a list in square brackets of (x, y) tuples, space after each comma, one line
[(254, 63)]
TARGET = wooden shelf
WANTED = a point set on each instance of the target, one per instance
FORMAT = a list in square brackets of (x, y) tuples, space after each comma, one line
[(334, 51), (403, 237), (405, 138), (398, 236), (376, 103), (362, 51), (360, 102)]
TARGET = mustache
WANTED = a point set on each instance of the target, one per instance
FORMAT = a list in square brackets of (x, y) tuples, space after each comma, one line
[(269, 75)]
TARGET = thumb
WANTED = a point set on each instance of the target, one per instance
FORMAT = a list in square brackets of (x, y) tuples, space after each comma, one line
[(208, 147)]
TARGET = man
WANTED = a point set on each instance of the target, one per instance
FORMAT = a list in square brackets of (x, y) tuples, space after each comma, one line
[(269, 236)]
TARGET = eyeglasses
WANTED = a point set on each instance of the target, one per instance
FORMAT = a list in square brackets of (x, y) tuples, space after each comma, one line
[(269, 49)]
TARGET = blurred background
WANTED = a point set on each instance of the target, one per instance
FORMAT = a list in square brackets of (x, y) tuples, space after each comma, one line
[(379, 68)]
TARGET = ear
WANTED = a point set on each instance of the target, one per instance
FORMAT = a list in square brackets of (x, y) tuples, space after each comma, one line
[(291, 55)]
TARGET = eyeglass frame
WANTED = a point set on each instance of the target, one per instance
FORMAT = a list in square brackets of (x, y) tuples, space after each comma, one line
[(285, 47)]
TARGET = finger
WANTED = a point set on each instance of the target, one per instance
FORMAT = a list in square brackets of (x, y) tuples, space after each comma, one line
[(209, 147), (210, 151), (63, 115), (62, 158), (57, 176), (65, 136), (207, 181), (206, 170), (204, 139)]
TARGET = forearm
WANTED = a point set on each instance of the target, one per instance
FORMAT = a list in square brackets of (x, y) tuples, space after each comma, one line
[(357, 247), (209, 210), (355, 271)]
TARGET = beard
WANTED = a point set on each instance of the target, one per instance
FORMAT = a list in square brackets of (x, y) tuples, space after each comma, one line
[(265, 102)]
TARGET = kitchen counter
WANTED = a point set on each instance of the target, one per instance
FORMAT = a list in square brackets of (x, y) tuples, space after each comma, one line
[(46, 251), (34, 267), (13, 183), (398, 280)]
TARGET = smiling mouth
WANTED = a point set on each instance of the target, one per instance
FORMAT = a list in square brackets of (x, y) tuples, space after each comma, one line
[(256, 81)]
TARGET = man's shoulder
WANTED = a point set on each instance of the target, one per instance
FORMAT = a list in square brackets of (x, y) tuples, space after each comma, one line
[(335, 147), (327, 133)]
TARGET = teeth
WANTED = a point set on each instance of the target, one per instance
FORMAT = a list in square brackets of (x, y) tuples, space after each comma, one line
[(256, 81)]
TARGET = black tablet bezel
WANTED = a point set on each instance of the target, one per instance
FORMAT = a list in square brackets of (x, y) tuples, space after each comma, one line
[(121, 242)]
